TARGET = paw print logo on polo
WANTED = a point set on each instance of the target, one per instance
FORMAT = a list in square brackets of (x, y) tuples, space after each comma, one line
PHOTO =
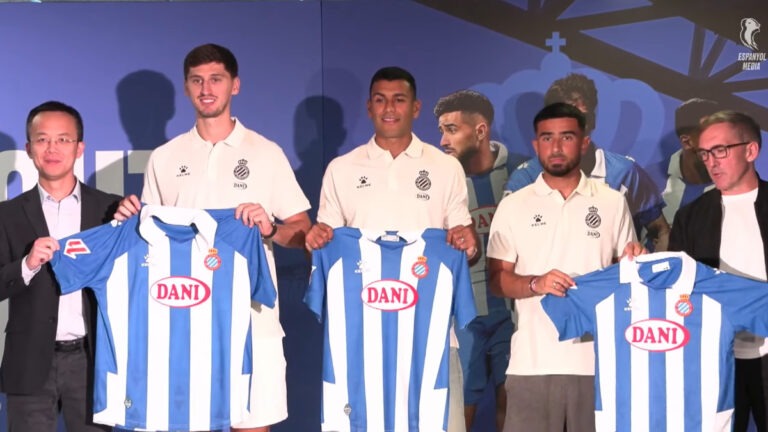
[(180, 292), (389, 295)]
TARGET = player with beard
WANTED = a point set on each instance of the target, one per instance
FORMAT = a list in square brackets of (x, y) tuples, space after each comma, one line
[(564, 224)]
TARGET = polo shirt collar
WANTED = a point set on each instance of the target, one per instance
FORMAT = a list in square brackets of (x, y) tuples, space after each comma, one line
[(599, 170), (542, 188), (234, 139), (414, 150), (203, 222)]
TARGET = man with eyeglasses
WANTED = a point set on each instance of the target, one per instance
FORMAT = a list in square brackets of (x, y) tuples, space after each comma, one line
[(48, 362), (727, 228)]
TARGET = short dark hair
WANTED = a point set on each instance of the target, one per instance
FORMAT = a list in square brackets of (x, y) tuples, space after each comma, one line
[(575, 85), (747, 127), (210, 53), (393, 73), (56, 106), (560, 110), (466, 101), (689, 114)]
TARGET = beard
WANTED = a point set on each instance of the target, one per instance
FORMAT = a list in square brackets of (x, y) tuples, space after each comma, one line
[(560, 169)]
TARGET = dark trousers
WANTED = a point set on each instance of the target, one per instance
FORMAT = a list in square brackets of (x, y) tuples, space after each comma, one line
[(67, 389), (750, 393)]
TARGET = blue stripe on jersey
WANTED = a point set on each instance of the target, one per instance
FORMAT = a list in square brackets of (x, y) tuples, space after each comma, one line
[(391, 262), (623, 384), (692, 375), (136, 369), (179, 367), (657, 392), (353, 311)]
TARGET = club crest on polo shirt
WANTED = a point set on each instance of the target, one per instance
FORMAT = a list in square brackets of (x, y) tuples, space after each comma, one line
[(423, 183), (593, 221), (389, 295), (241, 171), (180, 291), (657, 335)]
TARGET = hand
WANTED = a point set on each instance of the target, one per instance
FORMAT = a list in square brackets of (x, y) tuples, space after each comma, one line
[(633, 249), (41, 252), (552, 282), (128, 207), (318, 236), (254, 214), (463, 238)]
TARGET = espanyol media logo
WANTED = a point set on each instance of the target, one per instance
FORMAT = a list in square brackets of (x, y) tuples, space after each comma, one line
[(389, 295), (657, 335), (180, 291), (750, 27)]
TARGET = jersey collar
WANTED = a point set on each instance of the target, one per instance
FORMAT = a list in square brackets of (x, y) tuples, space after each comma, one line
[(205, 224), (654, 267)]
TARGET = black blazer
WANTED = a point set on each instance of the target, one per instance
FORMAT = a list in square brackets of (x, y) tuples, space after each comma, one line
[(697, 228), (32, 310)]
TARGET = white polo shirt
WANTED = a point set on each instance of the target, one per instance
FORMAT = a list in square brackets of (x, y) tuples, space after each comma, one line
[(421, 188), (245, 167), (538, 230)]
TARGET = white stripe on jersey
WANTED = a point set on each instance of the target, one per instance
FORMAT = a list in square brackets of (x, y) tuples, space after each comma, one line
[(405, 325), (200, 336), (674, 368), (158, 337), (432, 400), (373, 345), (335, 395), (117, 298), (710, 361), (640, 364)]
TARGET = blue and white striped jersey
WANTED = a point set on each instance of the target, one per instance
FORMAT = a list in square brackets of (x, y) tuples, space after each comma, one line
[(664, 327), (174, 289), (386, 301)]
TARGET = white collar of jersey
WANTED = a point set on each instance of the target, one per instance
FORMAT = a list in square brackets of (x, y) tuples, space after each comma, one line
[(629, 270), (674, 165), (414, 149), (501, 156), (233, 139), (599, 170), (205, 224), (375, 235)]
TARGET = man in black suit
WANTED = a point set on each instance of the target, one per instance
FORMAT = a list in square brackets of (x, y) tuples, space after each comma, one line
[(48, 361)]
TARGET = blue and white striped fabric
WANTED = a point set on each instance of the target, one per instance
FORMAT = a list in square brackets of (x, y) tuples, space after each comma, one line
[(386, 303), (664, 327), (174, 288)]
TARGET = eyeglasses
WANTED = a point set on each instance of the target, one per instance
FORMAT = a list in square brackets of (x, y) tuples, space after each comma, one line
[(58, 140), (718, 151)]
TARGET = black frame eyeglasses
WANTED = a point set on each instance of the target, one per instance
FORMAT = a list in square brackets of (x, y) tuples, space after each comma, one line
[(719, 151)]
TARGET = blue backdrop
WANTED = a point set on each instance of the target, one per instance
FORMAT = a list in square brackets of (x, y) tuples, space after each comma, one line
[(305, 67)]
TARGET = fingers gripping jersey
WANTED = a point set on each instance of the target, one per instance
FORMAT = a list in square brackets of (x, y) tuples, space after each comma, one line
[(664, 327), (174, 289), (386, 307)]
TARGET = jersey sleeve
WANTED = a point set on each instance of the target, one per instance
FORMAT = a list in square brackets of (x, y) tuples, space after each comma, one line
[(464, 301), (744, 300), (522, 176), (644, 199), (314, 298), (86, 259), (574, 314)]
